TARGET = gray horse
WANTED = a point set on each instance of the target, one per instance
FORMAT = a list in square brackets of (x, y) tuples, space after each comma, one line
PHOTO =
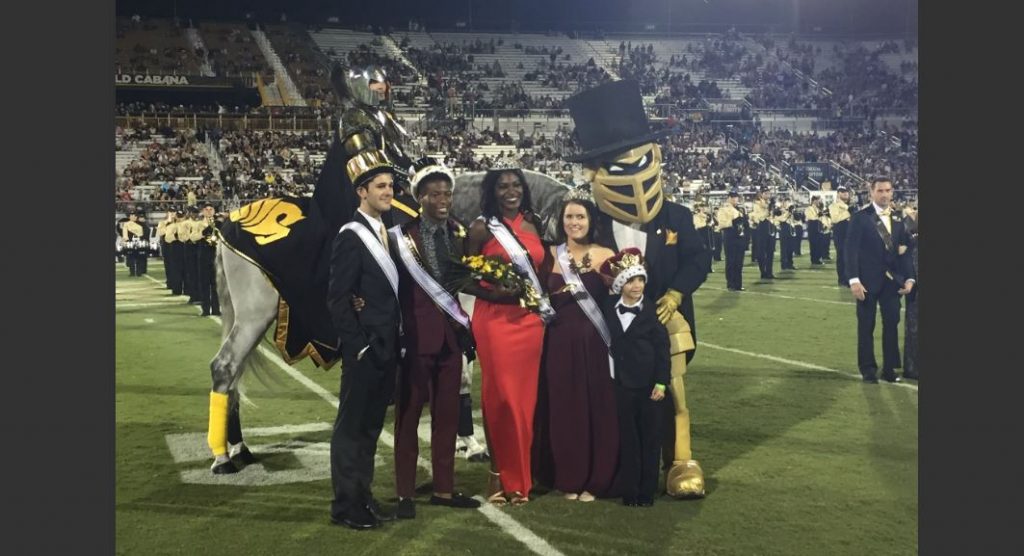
[(249, 305)]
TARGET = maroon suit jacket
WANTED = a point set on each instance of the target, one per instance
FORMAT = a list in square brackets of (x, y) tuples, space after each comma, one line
[(427, 329)]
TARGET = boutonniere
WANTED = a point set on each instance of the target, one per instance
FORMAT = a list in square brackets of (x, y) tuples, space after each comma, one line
[(671, 238), (460, 232)]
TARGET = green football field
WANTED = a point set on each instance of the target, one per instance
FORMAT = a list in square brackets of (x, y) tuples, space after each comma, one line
[(800, 456)]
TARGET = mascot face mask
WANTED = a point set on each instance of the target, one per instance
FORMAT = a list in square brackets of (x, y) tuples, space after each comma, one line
[(628, 187)]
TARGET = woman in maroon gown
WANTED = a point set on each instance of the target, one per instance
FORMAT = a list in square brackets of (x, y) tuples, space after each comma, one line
[(580, 437)]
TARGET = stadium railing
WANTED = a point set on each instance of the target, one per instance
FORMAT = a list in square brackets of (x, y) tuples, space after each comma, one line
[(227, 122)]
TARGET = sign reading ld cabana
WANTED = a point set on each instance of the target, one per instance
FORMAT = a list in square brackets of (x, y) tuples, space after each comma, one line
[(140, 79)]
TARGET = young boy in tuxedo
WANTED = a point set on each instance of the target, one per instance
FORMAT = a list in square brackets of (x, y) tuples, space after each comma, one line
[(641, 365)]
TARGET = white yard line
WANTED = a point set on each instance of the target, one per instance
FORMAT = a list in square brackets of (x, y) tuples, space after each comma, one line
[(749, 291), (799, 363), (152, 304)]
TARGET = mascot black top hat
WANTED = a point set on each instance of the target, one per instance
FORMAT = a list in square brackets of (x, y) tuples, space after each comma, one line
[(609, 119)]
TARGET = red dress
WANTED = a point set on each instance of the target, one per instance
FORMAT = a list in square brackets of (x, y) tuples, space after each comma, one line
[(509, 341)]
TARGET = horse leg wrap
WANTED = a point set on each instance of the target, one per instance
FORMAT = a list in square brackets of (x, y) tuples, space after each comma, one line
[(216, 437)]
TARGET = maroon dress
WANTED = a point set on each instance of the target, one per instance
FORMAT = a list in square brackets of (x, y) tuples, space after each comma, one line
[(580, 431)]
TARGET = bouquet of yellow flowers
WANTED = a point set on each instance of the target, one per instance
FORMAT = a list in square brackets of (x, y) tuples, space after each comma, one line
[(493, 270)]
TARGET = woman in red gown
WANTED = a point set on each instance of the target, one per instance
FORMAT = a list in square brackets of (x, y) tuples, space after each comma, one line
[(509, 338)]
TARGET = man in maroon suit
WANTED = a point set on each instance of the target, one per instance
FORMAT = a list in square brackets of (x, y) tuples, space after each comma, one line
[(436, 334)]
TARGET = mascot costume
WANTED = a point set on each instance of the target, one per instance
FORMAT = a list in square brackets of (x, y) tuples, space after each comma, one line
[(622, 163)]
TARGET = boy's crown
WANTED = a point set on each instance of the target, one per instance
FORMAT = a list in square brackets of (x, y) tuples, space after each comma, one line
[(625, 265)]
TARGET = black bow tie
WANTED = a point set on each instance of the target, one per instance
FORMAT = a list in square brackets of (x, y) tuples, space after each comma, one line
[(623, 310)]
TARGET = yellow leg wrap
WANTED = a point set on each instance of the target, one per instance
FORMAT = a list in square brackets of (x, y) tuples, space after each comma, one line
[(685, 478), (217, 436)]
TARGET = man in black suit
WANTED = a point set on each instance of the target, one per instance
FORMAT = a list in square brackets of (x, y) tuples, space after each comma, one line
[(878, 274), (362, 266), (640, 351)]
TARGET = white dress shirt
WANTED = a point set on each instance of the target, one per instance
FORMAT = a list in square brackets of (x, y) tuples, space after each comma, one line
[(626, 319), (629, 235), (379, 230)]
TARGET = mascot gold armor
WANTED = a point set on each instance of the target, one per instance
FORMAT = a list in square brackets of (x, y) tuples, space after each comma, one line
[(622, 162)]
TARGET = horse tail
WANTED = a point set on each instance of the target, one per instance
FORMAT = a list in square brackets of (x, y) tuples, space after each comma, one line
[(253, 363), (261, 367)]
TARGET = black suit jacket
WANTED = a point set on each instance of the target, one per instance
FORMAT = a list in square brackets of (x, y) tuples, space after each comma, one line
[(354, 271), (868, 258), (676, 258), (641, 353)]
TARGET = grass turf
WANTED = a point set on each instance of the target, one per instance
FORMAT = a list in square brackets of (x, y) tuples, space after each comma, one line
[(797, 460)]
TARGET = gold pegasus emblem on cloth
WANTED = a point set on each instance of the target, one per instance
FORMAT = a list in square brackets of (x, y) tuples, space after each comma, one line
[(268, 219)]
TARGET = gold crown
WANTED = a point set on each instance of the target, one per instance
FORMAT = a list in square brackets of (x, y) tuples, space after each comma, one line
[(626, 261), (366, 164)]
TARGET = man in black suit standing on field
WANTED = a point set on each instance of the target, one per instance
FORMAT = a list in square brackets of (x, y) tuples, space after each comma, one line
[(361, 266), (878, 274)]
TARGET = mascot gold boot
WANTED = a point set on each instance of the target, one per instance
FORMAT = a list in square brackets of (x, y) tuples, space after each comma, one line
[(622, 162)]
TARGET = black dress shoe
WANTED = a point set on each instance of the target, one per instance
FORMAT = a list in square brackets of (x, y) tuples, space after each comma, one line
[(629, 501), (358, 520), (891, 377), (911, 376), (406, 509), (644, 501), (215, 313), (381, 514), (870, 379), (458, 500)]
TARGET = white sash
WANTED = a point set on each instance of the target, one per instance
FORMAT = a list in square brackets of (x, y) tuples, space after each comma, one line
[(521, 259), (372, 242), (581, 295), (587, 303), (437, 293)]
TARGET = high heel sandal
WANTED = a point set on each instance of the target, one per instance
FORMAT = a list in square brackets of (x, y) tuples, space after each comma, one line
[(519, 499), (496, 496)]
